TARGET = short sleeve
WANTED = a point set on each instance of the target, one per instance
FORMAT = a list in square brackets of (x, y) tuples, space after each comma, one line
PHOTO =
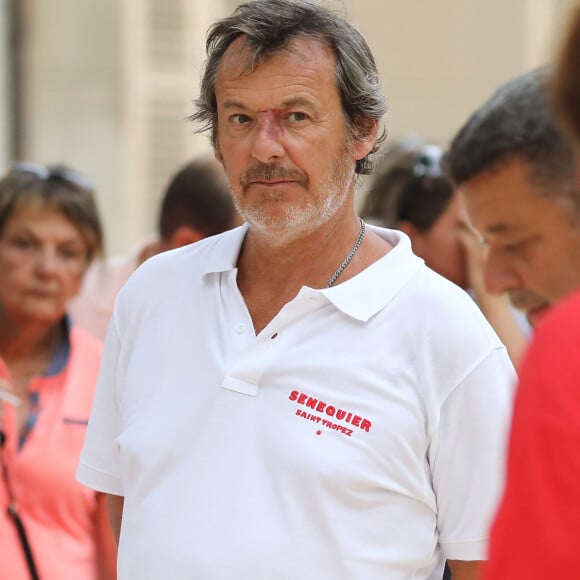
[(99, 465), (468, 456)]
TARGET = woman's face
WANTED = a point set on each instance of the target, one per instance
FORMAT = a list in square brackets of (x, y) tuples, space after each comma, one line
[(440, 246), (43, 257)]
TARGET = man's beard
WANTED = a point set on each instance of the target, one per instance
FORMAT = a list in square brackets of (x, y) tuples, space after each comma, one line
[(290, 221), (526, 300)]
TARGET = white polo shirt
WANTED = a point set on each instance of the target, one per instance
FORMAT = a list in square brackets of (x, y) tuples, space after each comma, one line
[(357, 437)]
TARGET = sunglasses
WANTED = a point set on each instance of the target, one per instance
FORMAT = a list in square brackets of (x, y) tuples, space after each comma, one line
[(45, 173), (428, 162), (427, 166)]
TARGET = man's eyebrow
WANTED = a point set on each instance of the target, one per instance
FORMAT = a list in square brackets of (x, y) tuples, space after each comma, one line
[(501, 228), (231, 104)]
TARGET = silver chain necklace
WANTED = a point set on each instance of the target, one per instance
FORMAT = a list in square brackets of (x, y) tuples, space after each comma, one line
[(350, 255)]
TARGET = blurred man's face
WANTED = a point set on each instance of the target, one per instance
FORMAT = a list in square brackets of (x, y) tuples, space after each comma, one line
[(534, 244)]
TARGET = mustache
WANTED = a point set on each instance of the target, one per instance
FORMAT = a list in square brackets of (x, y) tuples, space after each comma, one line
[(525, 299), (272, 172)]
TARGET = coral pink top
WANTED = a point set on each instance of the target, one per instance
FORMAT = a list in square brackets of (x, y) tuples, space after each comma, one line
[(58, 512)]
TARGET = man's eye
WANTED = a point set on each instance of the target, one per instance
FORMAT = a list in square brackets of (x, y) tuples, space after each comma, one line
[(298, 116), (22, 243), (513, 247), (240, 119)]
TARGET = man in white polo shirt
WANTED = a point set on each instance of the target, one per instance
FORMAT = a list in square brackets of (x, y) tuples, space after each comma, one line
[(299, 397)]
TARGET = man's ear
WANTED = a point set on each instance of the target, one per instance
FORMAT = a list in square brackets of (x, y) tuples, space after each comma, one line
[(184, 235), (365, 141)]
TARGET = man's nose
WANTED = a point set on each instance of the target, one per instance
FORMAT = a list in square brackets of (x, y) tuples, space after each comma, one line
[(500, 274), (267, 140)]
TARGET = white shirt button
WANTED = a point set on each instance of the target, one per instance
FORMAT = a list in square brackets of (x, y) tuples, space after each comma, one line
[(240, 328)]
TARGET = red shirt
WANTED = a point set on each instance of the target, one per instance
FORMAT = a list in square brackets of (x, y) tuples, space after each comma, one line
[(536, 534), (58, 512)]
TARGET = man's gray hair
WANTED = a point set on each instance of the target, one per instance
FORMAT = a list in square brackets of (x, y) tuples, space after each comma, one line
[(268, 26)]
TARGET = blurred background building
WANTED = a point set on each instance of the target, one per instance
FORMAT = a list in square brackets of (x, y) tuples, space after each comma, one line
[(106, 85)]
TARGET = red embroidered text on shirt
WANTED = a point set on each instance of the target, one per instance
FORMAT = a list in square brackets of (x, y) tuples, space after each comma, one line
[(330, 410)]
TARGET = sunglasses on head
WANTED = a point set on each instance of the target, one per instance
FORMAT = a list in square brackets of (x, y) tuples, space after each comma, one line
[(426, 167), (428, 162), (45, 173)]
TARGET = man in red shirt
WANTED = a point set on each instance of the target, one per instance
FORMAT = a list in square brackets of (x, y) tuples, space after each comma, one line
[(526, 202)]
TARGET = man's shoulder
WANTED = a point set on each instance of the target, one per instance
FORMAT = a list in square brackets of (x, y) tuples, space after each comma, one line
[(418, 290), (217, 252), (163, 278)]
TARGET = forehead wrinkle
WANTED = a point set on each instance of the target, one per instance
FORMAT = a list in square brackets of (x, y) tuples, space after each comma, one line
[(233, 104), (260, 81), (288, 103), (297, 101), (280, 98)]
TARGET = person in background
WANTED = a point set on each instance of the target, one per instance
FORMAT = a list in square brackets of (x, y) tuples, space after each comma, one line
[(299, 397), (516, 172), (410, 192), (566, 81), (519, 175), (50, 525), (196, 204)]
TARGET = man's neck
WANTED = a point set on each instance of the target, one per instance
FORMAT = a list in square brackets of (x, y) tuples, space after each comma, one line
[(270, 276)]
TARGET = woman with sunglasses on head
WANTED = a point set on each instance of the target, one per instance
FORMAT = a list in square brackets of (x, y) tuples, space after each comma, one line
[(411, 193), (51, 527)]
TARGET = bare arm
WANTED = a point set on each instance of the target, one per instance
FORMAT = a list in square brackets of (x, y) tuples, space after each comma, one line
[(465, 570), (115, 505), (107, 548)]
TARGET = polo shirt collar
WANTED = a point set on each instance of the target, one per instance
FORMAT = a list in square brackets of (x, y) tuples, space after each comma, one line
[(370, 291), (62, 353), (360, 297), (224, 254)]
